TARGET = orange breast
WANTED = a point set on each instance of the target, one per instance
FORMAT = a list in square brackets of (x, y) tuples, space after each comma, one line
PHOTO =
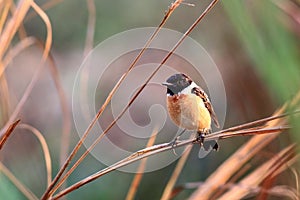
[(188, 111)]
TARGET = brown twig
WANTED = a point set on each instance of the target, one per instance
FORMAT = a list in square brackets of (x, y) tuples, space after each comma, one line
[(152, 151), (238, 159), (12, 26), (8, 132), (79, 144), (206, 11), (138, 176), (44, 146), (172, 181), (274, 165), (23, 189)]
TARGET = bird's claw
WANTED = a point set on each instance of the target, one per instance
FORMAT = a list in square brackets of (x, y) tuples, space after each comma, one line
[(173, 144)]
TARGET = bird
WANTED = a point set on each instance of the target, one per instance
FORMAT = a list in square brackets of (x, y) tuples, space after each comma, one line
[(189, 106)]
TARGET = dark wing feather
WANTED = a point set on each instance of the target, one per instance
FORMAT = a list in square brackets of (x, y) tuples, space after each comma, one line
[(199, 92)]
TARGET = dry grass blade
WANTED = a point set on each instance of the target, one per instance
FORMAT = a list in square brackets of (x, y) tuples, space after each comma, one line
[(65, 138), (23, 99), (21, 30), (206, 11), (78, 145), (11, 29), (274, 165), (12, 25), (4, 14), (138, 176), (44, 146), (240, 157), (232, 180), (279, 190), (46, 6), (23, 44), (7, 133), (90, 27), (152, 151), (23, 189), (46, 20), (170, 185)]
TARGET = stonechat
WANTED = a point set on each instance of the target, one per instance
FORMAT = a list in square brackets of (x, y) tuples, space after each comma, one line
[(189, 106)]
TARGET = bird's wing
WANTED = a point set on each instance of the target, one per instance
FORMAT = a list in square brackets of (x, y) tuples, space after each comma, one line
[(199, 92)]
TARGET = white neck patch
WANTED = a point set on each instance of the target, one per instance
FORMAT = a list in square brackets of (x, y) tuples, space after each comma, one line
[(188, 90)]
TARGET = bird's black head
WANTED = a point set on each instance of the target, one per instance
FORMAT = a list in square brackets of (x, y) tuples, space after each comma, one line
[(177, 83)]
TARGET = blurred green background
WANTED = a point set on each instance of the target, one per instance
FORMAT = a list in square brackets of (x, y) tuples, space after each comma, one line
[(254, 43)]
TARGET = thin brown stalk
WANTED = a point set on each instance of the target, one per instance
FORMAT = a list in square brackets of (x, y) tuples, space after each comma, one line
[(44, 146), (295, 172), (138, 176), (266, 186), (79, 144), (5, 103), (172, 181), (232, 180), (22, 188), (47, 22), (20, 13), (12, 25), (203, 14), (46, 6), (4, 14), (89, 40), (8, 132), (279, 190), (138, 156), (273, 165), (21, 30), (14, 51), (66, 129), (239, 158)]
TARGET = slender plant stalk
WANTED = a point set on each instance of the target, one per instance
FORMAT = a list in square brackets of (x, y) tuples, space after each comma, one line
[(155, 150), (7, 133), (206, 11), (261, 173), (170, 185), (23, 189), (44, 146), (138, 176), (12, 30), (79, 144)]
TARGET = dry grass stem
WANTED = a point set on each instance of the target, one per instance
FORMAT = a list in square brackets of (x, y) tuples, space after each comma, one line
[(78, 145), (155, 150), (12, 25), (8, 132), (22, 188), (274, 165), (139, 174), (66, 114), (46, 6), (172, 181), (279, 190), (13, 52), (44, 146), (46, 20), (4, 14), (206, 11), (238, 159), (7, 36), (90, 27)]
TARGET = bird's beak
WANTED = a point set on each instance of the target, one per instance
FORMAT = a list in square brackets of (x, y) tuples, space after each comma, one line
[(166, 84)]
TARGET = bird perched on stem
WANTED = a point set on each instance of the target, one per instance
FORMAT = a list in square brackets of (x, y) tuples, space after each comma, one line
[(189, 106)]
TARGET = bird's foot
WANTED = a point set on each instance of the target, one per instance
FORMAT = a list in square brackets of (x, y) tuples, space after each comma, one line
[(173, 143)]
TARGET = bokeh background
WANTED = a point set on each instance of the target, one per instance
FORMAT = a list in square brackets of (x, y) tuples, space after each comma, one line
[(254, 43)]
